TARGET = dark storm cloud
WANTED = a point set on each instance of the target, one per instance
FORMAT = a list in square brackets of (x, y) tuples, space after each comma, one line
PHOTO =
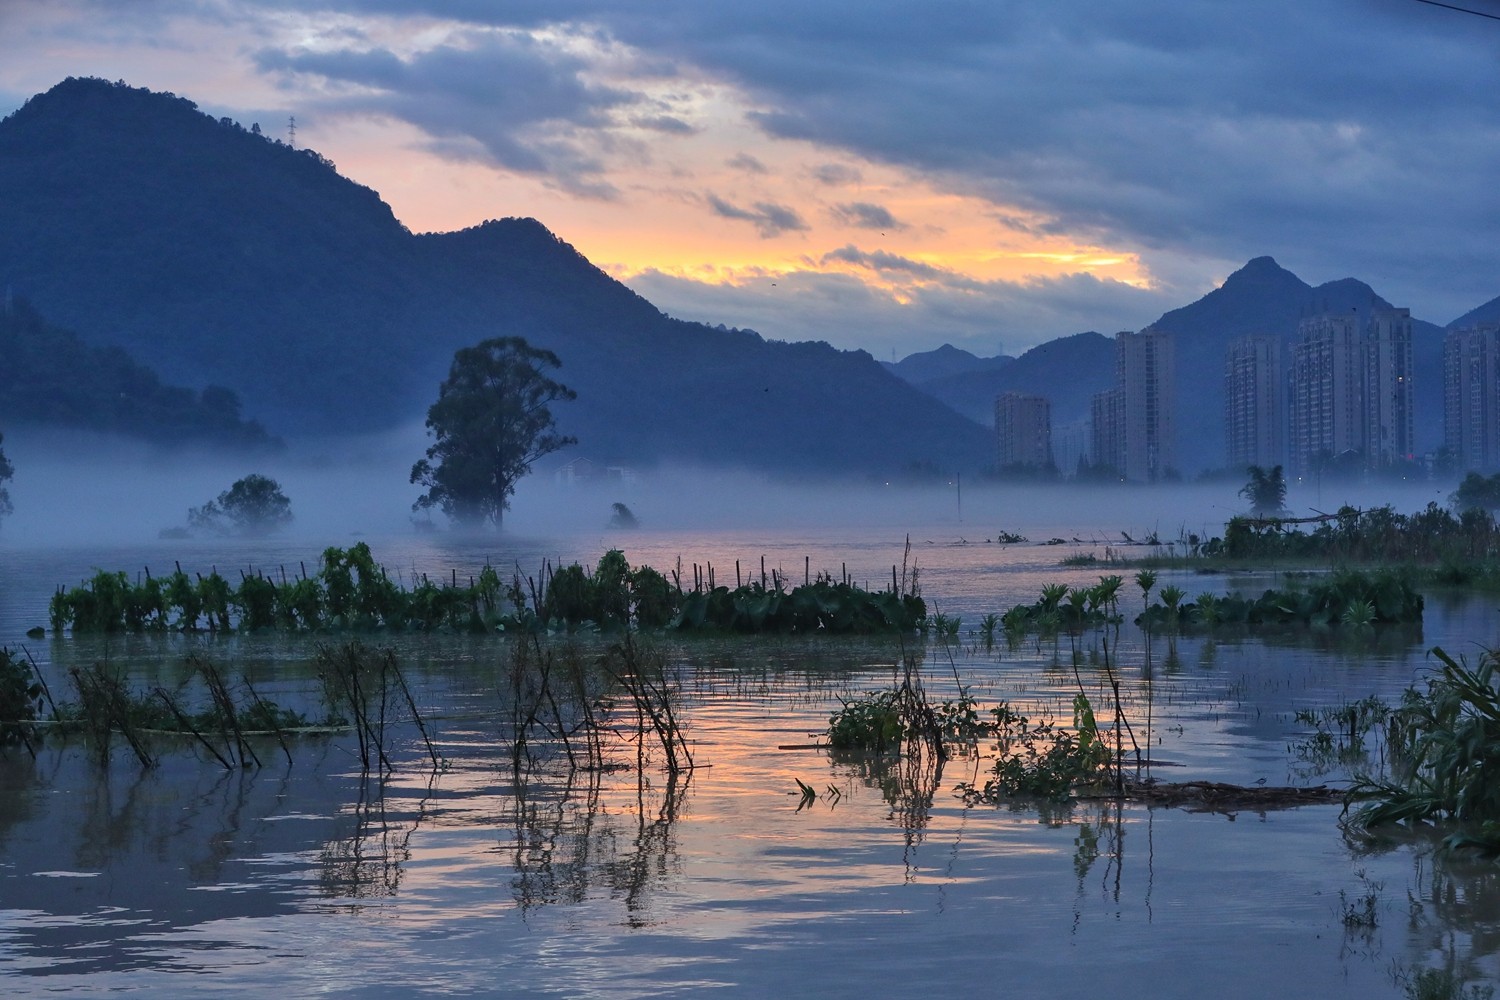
[(863, 215), (769, 218)]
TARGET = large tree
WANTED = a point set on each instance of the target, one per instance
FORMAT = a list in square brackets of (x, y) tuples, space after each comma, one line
[(253, 506), (6, 471), (492, 419)]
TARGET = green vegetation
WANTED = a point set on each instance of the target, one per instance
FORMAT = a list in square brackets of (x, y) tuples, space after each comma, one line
[(1444, 745), (253, 507), (1454, 547), (1045, 761), (107, 707), (350, 591), (491, 422), (21, 693)]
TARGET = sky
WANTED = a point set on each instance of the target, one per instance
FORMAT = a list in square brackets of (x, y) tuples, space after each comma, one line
[(878, 175)]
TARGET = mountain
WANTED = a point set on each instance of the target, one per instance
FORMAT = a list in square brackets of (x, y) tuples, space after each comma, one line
[(1262, 298), (1487, 313), (50, 377), (943, 362), (217, 255), (1068, 371)]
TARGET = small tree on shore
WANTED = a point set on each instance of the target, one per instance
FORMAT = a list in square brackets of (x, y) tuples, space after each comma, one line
[(491, 421), (253, 506)]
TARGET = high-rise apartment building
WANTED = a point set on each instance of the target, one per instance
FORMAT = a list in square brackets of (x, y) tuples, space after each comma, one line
[(1134, 424), (1351, 390), (1107, 430), (1023, 431), (1389, 435), (1327, 392), (1471, 397), (1254, 403)]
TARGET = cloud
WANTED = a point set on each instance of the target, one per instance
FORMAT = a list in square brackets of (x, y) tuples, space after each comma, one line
[(850, 312), (770, 219), (863, 215), (502, 97), (1343, 137), (1351, 136), (749, 164), (882, 261), (668, 124)]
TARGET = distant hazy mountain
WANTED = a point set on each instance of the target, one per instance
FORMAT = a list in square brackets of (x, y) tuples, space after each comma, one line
[(1487, 313), (217, 255), (943, 362), (1262, 297), (48, 377), (1067, 371)]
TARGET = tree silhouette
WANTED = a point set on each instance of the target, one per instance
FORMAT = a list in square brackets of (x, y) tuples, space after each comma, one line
[(253, 506), (6, 471), (491, 421), (1266, 491)]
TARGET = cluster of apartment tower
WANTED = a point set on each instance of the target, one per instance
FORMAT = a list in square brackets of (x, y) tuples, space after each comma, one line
[(1132, 428), (1343, 397)]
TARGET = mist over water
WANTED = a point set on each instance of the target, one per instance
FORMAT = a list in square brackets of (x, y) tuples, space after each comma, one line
[(77, 489)]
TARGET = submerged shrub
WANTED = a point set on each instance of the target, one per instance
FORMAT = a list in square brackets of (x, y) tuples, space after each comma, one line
[(1445, 747)]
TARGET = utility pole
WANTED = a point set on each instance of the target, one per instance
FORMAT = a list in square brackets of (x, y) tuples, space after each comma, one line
[(291, 131)]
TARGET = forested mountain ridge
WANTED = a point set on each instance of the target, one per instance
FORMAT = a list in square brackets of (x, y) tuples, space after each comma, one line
[(48, 377), (217, 255)]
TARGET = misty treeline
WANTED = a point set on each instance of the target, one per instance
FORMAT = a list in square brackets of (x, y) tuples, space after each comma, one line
[(6, 472), (48, 376), (349, 590)]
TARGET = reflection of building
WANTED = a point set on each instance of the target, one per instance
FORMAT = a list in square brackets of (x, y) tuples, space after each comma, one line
[(1253, 410), (1351, 390), (1471, 397), (1023, 431), (1134, 423)]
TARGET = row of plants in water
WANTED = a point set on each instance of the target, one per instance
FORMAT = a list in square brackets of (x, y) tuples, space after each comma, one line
[(350, 590), (1462, 547), (1346, 597)]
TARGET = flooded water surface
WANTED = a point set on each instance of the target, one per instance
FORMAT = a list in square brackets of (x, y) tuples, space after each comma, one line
[(306, 876)]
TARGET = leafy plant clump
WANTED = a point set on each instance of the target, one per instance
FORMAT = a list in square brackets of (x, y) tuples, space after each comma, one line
[(1045, 760), (21, 694), (883, 721), (1444, 745)]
